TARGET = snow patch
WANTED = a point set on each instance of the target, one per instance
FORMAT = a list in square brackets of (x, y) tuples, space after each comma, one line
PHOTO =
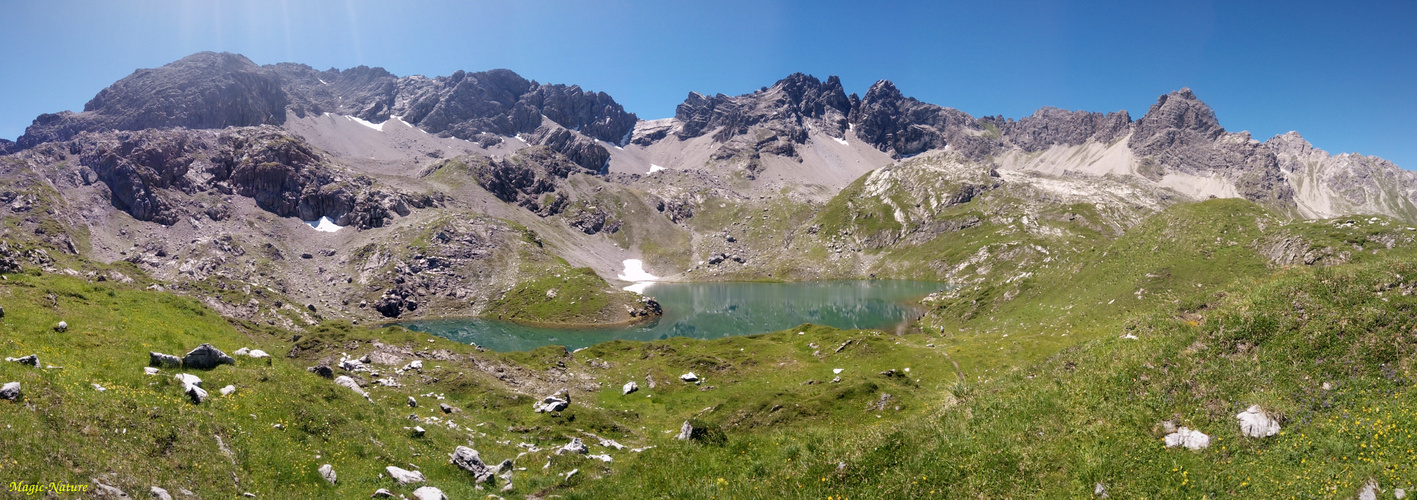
[(654, 168), (366, 123), (324, 225), (635, 271)]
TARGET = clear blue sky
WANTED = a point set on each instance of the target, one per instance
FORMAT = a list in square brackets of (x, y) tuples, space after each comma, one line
[(1343, 75)]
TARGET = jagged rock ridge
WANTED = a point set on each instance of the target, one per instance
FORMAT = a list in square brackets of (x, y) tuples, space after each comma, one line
[(210, 90)]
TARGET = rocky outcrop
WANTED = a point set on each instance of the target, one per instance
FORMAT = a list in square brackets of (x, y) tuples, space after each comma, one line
[(469, 460), (151, 175), (1048, 127)]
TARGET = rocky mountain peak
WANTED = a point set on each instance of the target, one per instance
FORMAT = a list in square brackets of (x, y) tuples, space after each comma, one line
[(203, 90), (1290, 143), (1178, 111), (903, 126), (789, 105)]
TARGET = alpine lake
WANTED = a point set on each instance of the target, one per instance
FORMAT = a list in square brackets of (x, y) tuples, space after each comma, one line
[(713, 310)]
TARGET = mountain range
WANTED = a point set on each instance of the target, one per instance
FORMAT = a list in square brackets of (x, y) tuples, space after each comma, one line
[(208, 156)]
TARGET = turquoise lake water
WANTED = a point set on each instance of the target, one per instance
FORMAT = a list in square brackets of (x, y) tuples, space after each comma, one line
[(714, 310)]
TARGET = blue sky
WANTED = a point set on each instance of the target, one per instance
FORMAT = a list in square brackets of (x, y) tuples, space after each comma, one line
[(1345, 76)]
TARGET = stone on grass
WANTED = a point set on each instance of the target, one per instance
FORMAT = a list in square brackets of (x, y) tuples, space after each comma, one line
[(412, 403), (148, 370), (197, 394), (327, 471), (226, 391), (61, 327), (346, 381), (1099, 491), (242, 351), (206, 357), (1255, 423), (352, 365), (32, 360), (445, 407), (258, 354), (105, 490), (1399, 493), (10, 391), (404, 476), (382, 493), (429, 493), (419, 431), (187, 379), (469, 460), (575, 446), (554, 402), (1192, 439), (629, 387), (321, 370), (689, 377), (604, 457), (159, 493), (1369, 491), (685, 431), (163, 360)]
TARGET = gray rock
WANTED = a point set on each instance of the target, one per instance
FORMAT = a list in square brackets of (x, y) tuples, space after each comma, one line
[(148, 370), (629, 387), (327, 471), (689, 377), (32, 360), (159, 493), (242, 352), (1099, 491), (353, 365), (469, 460), (429, 493), (553, 403), (404, 476), (1189, 438), (10, 390), (196, 394), (104, 490), (258, 354), (686, 431), (163, 360), (445, 407), (418, 431), (1255, 423), (382, 493), (187, 379), (575, 446), (61, 327), (412, 403), (321, 370), (206, 357), (226, 391), (346, 381), (1369, 491)]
